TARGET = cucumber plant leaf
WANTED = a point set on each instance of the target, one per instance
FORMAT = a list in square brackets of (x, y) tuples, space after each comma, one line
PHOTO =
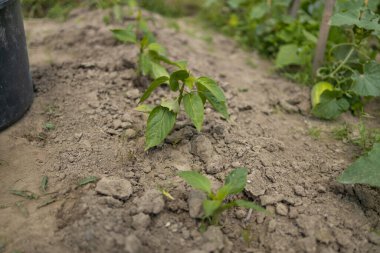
[(160, 123), (365, 170), (368, 83), (331, 105), (288, 56), (196, 180), (154, 85), (194, 108)]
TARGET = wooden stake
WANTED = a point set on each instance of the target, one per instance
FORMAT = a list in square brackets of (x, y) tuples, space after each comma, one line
[(294, 8), (323, 35)]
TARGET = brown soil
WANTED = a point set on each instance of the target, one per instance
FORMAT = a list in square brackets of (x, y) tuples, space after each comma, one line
[(84, 85)]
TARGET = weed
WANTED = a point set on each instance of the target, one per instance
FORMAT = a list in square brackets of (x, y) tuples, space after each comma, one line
[(88, 180), (49, 126), (25, 194), (217, 203), (44, 183), (315, 132), (341, 133)]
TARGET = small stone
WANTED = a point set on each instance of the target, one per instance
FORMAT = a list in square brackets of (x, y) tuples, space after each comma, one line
[(282, 209), (151, 202), (240, 214), (133, 94), (140, 220), (299, 190), (321, 189), (116, 124), (115, 187), (201, 146), (256, 185), (132, 244), (78, 136), (130, 133), (213, 239), (126, 117), (293, 213), (324, 235), (195, 202), (271, 199), (147, 169)]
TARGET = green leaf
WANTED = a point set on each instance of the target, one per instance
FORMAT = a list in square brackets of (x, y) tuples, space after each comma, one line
[(331, 105), (125, 35), (157, 70), (189, 82), (144, 108), (368, 83), (154, 85), (365, 170), (172, 105), (288, 55), (210, 206), (145, 65), (259, 10), (157, 48), (212, 87), (194, 108), (196, 180), (160, 123), (44, 183), (317, 91), (234, 184), (88, 180), (25, 194), (250, 205), (219, 105), (175, 77)]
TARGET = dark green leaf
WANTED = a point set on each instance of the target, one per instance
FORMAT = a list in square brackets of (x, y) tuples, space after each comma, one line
[(194, 108), (160, 123), (219, 106), (210, 206), (331, 105), (125, 35), (196, 180), (212, 87), (88, 180), (365, 170), (175, 77), (154, 85), (368, 83), (250, 205)]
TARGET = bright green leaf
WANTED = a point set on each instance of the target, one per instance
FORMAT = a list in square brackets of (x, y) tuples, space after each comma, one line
[(288, 55), (172, 105), (210, 206), (194, 108), (144, 64), (157, 47), (160, 123), (189, 82), (365, 170), (236, 180), (154, 85), (157, 70), (125, 35), (144, 108), (368, 83), (196, 180), (331, 105)]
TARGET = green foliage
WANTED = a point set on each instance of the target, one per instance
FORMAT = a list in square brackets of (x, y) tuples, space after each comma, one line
[(353, 71), (193, 92), (365, 170), (216, 203)]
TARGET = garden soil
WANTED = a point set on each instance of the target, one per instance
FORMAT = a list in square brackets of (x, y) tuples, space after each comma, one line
[(83, 124)]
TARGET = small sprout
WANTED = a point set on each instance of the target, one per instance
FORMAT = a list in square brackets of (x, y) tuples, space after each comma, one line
[(25, 194), (47, 202), (49, 126), (44, 183), (315, 132), (167, 194), (88, 180), (216, 203)]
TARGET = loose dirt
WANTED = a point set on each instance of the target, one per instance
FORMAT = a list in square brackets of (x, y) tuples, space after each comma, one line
[(85, 85)]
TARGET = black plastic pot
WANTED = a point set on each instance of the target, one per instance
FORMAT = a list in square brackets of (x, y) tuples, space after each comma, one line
[(16, 89)]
